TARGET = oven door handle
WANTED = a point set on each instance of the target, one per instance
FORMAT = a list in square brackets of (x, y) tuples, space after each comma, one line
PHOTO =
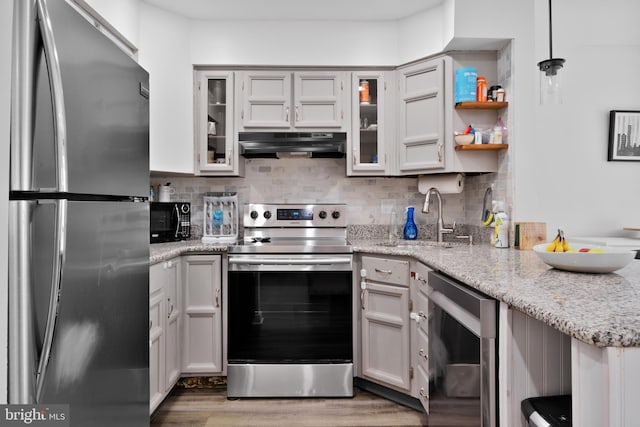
[(254, 260)]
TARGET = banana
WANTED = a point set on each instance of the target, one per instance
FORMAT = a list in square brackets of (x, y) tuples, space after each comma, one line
[(559, 244), (488, 219), (559, 247), (554, 244)]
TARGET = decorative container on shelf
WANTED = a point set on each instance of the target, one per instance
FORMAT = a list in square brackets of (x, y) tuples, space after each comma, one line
[(220, 218)]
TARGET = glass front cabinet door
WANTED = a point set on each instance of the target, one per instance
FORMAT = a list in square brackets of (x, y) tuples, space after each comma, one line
[(368, 154), (216, 148)]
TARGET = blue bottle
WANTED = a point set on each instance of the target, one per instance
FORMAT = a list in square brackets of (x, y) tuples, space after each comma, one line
[(410, 229)]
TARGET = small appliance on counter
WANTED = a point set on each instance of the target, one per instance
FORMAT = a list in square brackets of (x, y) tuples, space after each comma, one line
[(220, 218), (170, 221), (548, 411)]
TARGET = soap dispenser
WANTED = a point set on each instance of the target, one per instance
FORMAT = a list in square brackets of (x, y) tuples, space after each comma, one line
[(410, 229), (501, 230)]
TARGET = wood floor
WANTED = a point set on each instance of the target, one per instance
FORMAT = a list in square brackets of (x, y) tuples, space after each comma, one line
[(209, 407)]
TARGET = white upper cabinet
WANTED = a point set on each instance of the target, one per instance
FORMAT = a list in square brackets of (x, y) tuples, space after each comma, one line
[(216, 145), (421, 117), (266, 99), (318, 100), (292, 101), (371, 150), (428, 118)]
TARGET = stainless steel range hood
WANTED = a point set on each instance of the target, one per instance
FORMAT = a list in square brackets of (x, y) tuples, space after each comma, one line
[(292, 144)]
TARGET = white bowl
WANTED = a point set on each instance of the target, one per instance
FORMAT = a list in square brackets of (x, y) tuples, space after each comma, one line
[(464, 139), (611, 259)]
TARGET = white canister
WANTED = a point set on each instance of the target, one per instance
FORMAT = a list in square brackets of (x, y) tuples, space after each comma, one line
[(501, 221), (165, 192)]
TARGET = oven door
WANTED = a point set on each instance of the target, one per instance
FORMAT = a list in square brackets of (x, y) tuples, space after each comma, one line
[(462, 354), (290, 323)]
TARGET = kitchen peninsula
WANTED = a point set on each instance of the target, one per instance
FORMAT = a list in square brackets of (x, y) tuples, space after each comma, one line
[(597, 313)]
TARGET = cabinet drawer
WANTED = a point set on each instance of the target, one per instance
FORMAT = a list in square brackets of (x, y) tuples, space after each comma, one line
[(386, 270)]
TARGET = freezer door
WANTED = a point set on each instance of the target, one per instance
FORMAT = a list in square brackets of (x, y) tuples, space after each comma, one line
[(87, 128), (97, 361)]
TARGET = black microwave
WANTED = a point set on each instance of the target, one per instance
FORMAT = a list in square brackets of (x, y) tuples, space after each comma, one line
[(170, 221)]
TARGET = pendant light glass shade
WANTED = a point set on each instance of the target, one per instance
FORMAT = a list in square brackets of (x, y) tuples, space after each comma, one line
[(550, 82)]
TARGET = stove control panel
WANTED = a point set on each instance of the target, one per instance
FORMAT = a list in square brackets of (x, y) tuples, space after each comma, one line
[(295, 215)]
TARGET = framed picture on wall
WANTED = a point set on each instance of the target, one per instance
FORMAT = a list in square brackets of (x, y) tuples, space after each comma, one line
[(624, 135)]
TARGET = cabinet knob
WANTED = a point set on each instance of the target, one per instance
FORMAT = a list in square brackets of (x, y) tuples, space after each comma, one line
[(418, 317)]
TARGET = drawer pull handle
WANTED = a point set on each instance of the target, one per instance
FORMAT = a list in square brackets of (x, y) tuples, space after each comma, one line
[(377, 270), (218, 297), (170, 308)]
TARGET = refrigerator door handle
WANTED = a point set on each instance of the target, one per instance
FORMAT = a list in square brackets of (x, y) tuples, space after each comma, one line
[(57, 94), (59, 252), (22, 347)]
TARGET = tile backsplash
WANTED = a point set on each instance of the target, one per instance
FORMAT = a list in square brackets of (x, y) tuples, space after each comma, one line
[(369, 199), (302, 181)]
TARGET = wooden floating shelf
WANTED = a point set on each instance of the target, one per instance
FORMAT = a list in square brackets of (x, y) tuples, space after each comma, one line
[(481, 105), (481, 147)]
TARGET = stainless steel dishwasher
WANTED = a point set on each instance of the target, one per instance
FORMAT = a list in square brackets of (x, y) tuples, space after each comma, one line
[(462, 354)]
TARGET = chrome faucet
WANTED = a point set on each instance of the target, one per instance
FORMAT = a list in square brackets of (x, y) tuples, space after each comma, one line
[(441, 229)]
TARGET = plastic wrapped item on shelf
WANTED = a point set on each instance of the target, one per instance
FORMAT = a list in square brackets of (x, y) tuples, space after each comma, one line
[(220, 216)]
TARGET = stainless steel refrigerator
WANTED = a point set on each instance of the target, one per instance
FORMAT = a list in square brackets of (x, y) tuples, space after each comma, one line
[(79, 220)]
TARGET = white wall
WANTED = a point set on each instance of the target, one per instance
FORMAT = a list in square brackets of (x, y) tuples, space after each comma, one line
[(423, 34), (124, 15), (561, 175), (311, 43), (165, 53), (566, 179)]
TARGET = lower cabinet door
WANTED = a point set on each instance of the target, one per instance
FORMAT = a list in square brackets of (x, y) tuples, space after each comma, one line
[(172, 282), (156, 351), (202, 339), (385, 336), (422, 382)]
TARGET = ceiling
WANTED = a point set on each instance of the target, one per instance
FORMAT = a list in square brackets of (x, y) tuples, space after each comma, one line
[(340, 10)]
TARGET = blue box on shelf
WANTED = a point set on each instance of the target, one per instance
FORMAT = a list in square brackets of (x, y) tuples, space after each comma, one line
[(466, 84)]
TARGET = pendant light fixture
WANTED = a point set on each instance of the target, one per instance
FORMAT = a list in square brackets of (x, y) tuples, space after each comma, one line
[(550, 88)]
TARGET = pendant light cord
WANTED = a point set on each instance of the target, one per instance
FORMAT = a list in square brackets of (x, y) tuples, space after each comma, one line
[(550, 34)]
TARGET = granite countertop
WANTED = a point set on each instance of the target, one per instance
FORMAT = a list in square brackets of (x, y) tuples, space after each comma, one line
[(165, 251), (599, 309)]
